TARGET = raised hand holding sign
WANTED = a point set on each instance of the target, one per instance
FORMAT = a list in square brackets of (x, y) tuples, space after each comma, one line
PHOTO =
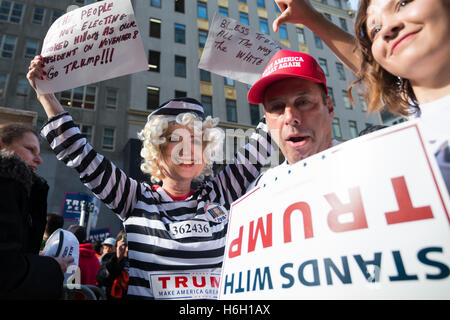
[(91, 44), (237, 51)]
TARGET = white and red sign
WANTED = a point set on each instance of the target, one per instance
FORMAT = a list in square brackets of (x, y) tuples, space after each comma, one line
[(367, 219), (93, 43), (185, 285)]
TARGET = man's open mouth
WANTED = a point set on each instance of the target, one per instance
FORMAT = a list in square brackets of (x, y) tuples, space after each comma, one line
[(297, 140)]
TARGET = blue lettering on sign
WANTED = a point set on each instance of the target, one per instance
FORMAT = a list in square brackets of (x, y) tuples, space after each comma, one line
[(337, 271), (341, 270), (248, 281), (99, 234), (71, 209)]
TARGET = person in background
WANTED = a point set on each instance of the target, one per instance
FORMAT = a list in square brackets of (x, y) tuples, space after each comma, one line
[(113, 274), (108, 246), (54, 222), (24, 274), (98, 247), (87, 261)]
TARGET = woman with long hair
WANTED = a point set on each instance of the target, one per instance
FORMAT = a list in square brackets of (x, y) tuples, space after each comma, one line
[(400, 54)]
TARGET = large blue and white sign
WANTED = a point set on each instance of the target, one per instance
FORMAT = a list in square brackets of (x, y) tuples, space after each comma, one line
[(71, 209)]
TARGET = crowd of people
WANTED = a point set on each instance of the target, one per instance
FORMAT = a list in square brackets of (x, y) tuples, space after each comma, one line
[(400, 55), (103, 264)]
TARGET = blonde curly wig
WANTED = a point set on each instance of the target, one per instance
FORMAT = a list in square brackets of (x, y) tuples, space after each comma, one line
[(152, 137)]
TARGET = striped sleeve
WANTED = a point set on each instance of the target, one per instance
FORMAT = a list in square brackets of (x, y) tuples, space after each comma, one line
[(101, 176), (232, 183)]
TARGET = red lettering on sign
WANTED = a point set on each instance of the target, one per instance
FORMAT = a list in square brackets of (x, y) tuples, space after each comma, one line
[(202, 284), (164, 281), (355, 206), (406, 212), (266, 237), (236, 243), (181, 280), (307, 221), (214, 282), (97, 11)]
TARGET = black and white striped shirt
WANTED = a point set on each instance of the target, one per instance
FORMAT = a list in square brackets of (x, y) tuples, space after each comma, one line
[(147, 213)]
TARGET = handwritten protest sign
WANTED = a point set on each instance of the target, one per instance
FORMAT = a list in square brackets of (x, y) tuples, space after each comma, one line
[(90, 44), (237, 51), (357, 221)]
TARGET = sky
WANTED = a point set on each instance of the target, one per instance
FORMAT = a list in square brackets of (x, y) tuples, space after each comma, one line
[(354, 4)]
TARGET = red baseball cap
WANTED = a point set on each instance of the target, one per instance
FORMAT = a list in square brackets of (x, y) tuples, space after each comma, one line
[(287, 64)]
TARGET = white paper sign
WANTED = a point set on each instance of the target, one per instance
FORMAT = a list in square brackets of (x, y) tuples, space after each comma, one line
[(367, 219), (90, 44), (237, 51)]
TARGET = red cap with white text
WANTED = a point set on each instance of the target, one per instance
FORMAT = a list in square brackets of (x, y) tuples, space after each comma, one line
[(287, 64)]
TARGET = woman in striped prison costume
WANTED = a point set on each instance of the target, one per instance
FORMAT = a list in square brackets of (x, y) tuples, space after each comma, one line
[(176, 236)]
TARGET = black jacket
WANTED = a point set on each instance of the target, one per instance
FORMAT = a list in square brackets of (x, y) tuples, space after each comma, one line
[(23, 211), (110, 269)]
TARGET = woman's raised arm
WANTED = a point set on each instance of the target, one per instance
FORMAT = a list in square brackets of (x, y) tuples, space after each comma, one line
[(342, 44)]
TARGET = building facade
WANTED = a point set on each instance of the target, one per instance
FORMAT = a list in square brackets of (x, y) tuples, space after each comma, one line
[(111, 112), (99, 109), (174, 33)]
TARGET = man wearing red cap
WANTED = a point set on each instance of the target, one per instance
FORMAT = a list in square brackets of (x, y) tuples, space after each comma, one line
[(297, 107)]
